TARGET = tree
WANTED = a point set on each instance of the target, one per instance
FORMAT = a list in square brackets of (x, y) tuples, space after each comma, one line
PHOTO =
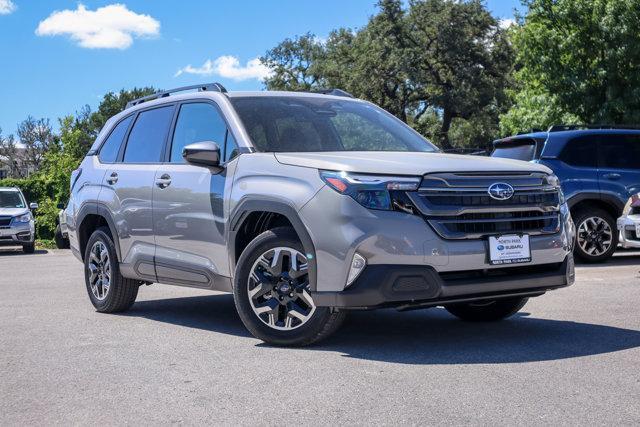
[(577, 60), (442, 58), (10, 156), (461, 59), (37, 137), (295, 64)]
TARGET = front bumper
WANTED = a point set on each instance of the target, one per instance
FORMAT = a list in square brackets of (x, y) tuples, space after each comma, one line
[(340, 227), (421, 286), (17, 234), (627, 228)]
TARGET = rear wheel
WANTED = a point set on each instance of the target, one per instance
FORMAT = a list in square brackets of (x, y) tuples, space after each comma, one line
[(487, 311), (271, 292), (596, 235), (108, 290), (61, 242)]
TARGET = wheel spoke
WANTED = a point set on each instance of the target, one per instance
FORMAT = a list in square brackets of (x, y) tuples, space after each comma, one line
[(277, 263)]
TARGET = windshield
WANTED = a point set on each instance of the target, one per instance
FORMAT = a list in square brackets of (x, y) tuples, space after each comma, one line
[(517, 152), (11, 199), (303, 124)]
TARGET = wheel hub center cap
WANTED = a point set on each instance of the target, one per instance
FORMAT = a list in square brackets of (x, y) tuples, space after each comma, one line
[(285, 288)]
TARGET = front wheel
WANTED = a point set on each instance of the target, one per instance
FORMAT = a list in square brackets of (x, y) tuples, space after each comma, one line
[(487, 311), (29, 248), (596, 235), (271, 292)]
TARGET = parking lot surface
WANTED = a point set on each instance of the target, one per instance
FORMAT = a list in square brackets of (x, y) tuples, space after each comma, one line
[(182, 356)]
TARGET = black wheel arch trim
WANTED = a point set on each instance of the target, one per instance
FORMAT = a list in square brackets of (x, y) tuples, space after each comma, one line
[(247, 206), (97, 208), (597, 197)]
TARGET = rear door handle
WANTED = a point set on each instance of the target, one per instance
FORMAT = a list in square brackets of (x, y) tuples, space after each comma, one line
[(164, 181), (612, 176), (113, 178)]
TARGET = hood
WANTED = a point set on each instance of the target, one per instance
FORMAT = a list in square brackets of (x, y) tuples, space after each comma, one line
[(403, 163), (13, 211)]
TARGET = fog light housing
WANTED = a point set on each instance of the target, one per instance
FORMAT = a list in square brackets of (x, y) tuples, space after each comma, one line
[(358, 263)]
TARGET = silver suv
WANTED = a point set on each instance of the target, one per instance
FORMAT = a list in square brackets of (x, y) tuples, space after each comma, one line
[(307, 205), (17, 226)]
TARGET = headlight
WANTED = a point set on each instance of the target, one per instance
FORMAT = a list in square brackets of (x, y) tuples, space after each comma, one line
[(553, 181), (371, 191), (23, 218)]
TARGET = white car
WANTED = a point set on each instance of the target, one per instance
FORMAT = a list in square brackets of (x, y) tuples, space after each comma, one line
[(629, 225)]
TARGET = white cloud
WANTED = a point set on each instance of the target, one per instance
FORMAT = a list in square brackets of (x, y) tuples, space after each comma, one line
[(7, 7), (506, 23), (229, 67), (109, 27)]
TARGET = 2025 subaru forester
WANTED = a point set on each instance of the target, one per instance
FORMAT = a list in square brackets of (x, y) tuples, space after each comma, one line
[(306, 205)]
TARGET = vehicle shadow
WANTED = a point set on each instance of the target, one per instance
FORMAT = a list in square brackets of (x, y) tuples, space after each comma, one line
[(10, 251), (621, 258), (417, 337)]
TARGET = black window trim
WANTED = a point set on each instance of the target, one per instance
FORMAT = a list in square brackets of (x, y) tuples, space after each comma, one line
[(124, 139), (166, 158), (123, 147)]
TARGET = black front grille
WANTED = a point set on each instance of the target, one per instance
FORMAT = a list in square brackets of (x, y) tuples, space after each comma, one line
[(5, 221), (458, 206), (437, 198), (499, 223)]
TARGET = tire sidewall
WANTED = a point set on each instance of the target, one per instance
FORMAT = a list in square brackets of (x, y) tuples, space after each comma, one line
[(280, 237), (101, 235)]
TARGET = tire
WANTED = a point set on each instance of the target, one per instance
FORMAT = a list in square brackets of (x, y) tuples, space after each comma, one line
[(121, 293), (29, 248), (487, 311), (61, 242), (278, 326), (586, 247)]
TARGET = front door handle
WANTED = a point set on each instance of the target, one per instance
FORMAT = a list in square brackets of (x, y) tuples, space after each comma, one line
[(113, 178), (612, 176), (164, 181)]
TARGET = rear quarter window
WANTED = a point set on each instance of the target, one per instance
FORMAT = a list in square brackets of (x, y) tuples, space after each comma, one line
[(581, 152)]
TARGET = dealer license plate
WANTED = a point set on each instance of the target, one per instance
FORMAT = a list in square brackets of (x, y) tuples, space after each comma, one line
[(509, 249)]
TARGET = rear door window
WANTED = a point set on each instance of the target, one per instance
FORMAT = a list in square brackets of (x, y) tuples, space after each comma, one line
[(581, 152), (619, 152), (148, 135)]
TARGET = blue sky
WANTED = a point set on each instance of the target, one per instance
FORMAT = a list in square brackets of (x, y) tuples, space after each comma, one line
[(51, 64)]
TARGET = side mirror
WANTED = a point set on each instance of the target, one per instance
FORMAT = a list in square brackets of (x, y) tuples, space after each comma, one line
[(60, 205), (33, 206), (205, 153)]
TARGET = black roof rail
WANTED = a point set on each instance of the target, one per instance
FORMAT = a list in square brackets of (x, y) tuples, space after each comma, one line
[(559, 128), (212, 87), (333, 91)]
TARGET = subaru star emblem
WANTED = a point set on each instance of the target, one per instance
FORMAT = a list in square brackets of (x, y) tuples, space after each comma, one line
[(500, 191)]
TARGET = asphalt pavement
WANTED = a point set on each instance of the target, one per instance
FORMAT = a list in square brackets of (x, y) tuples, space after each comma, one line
[(571, 357)]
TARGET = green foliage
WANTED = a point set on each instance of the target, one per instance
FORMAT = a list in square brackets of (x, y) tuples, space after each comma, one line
[(579, 62), (50, 185), (433, 64)]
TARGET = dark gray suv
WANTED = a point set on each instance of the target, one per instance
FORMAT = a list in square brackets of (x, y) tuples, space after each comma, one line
[(306, 205)]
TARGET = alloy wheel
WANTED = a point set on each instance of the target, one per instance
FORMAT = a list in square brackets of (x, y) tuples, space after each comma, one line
[(99, 270), (278, 288), (594, 236)]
